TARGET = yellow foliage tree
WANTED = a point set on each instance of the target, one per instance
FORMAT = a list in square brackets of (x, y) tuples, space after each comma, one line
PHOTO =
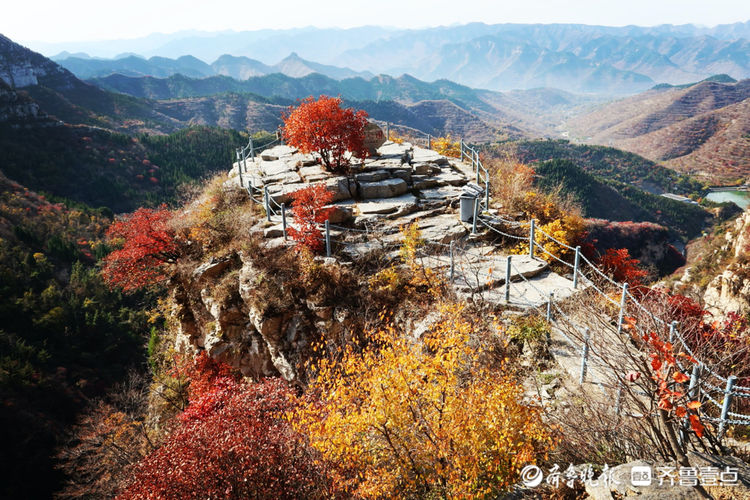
[(563, 227), (447, 146), (413, 278), (423, 418)]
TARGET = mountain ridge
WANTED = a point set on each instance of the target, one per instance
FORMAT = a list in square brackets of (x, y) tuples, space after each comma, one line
[(610, 60)]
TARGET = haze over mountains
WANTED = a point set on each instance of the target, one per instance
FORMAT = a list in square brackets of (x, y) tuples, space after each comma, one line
[(578, 58), (699, 128)]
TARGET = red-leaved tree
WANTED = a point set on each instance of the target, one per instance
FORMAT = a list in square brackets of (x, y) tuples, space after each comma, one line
[(147, 246), (233, 441), (308, 210), (322, 126), (623, 268)]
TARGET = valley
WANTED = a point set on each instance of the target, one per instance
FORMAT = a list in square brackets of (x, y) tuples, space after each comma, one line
[(195, 296)]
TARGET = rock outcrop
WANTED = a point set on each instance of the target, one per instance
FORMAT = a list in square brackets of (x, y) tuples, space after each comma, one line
[(729, 292), (225, 311), (21, 67), (15, 107)]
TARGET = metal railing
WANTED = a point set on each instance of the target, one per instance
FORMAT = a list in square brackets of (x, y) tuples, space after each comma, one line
[(708, 385)]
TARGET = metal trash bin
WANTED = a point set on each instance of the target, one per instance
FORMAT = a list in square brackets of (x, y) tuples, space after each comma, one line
[(467, 207), (470, 193)]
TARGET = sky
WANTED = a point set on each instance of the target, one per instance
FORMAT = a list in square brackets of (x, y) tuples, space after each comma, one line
[(89, 20)]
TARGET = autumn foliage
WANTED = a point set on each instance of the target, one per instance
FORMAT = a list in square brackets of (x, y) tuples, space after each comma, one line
[(233, 441), (322, 126), (308, 211), (618, 264), (423, 420), (147, 246)]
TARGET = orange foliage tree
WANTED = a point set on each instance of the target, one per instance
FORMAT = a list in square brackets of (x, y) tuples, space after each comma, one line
[(423, 420), (308, 210), (618, 264), (147, 246), (324, 127)]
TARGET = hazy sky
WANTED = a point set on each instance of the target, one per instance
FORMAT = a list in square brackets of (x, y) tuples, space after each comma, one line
[(79, 20)]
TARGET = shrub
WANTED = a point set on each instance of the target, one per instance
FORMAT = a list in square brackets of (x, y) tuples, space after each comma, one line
[(423, 420), (446, 146), (323, 127), (233, 441), (308, 212)]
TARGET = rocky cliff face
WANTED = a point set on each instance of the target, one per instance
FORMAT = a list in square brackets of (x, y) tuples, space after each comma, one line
[(249, 316), (730, 290), (21, 67), (14, 107)]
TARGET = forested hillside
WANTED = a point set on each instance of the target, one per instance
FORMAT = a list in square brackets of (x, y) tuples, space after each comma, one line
[(65, 337), (103, 168), (609, 199)]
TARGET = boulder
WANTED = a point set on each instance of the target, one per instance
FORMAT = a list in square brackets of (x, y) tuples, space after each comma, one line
[(442, 193), (423, 182), (277, 152), (387, 205), (419, 155), (451, 178), (387, 188), (377, 175), (341, 187), (302, 160), (374, 138), (214, 267), (441, 229), (340, 214), (274, 167), (313, 173), (395, 151), (422, 168)]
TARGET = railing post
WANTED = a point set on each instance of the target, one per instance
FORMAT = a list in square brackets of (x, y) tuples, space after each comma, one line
[(691, 394), (244, 159), (623, 300), (429, 141), (461, 147), (584, 357), (476, 215), (487, 194), (475, 161), (549, 307), (672, 331), (328, 239), (453, 264), (239, 167), (283, 219), (531, 238), (576, 263), (507, 279), (727, 404), (252, 149), (267, 203)]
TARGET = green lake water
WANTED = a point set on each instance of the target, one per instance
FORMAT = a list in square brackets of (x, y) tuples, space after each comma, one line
[(741, 198)]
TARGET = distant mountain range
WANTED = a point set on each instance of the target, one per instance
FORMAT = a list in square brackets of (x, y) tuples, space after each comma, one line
[(702, 129), (167, 105), (241, 68), (577, 58)]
